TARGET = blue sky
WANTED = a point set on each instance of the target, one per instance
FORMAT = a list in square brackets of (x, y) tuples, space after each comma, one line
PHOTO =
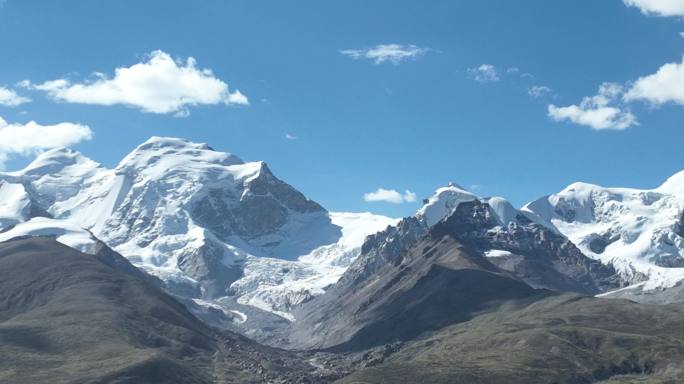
[(335, 114)]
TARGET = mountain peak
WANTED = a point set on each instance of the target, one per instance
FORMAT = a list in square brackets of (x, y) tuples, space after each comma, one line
[(443, 202), (172, 142), (57, 159), (158, 155)]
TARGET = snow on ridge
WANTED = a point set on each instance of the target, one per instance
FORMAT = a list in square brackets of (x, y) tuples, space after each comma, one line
[(68, 234)]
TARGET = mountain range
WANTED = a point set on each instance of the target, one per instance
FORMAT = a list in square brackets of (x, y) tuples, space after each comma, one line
[(184, 251)]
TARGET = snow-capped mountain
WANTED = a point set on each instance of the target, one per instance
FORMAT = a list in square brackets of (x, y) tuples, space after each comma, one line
[(539, 256), (207, 223), (456, 254), (639, 232)]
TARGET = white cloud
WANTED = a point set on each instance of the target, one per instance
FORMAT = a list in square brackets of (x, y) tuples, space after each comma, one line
[(485, 73), (681, 34), (658, 7), (409, 197), (390, 196), (158, 85), (599, 112), (24, 139), (664, 86), (392, 53), (9, 98), (538, 91), (290, 137)]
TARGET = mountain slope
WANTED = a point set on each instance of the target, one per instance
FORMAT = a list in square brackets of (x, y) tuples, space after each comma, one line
[(438, 282), (68, 317), (555, 339)]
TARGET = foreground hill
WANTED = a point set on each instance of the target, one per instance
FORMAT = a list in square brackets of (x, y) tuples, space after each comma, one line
[(69, 317), (564, 339)]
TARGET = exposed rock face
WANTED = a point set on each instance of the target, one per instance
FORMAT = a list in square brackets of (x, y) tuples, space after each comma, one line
[(537, 255), (264, 207), (384, 248)]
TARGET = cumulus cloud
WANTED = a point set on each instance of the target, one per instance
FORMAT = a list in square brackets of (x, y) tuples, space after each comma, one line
[(390, 196), (10, 98), (392, 53), (485, 73), (539, 91), (159, 84), (25, 139), (658, 7), (664, 86), (599, 112)]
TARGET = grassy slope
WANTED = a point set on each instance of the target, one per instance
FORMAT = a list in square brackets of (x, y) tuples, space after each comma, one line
[(66, 317), (558, 339)]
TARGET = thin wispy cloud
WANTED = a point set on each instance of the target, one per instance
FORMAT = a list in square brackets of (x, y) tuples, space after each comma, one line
[(485, 73), (10, 98), (664, 86), (159, 84), (387, 53), (26, 139), (658, 7), (604, 111), (539, 91), (290, 136), (390, 196)]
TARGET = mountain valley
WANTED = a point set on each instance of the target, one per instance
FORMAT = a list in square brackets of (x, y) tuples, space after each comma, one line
[(185, 264)]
